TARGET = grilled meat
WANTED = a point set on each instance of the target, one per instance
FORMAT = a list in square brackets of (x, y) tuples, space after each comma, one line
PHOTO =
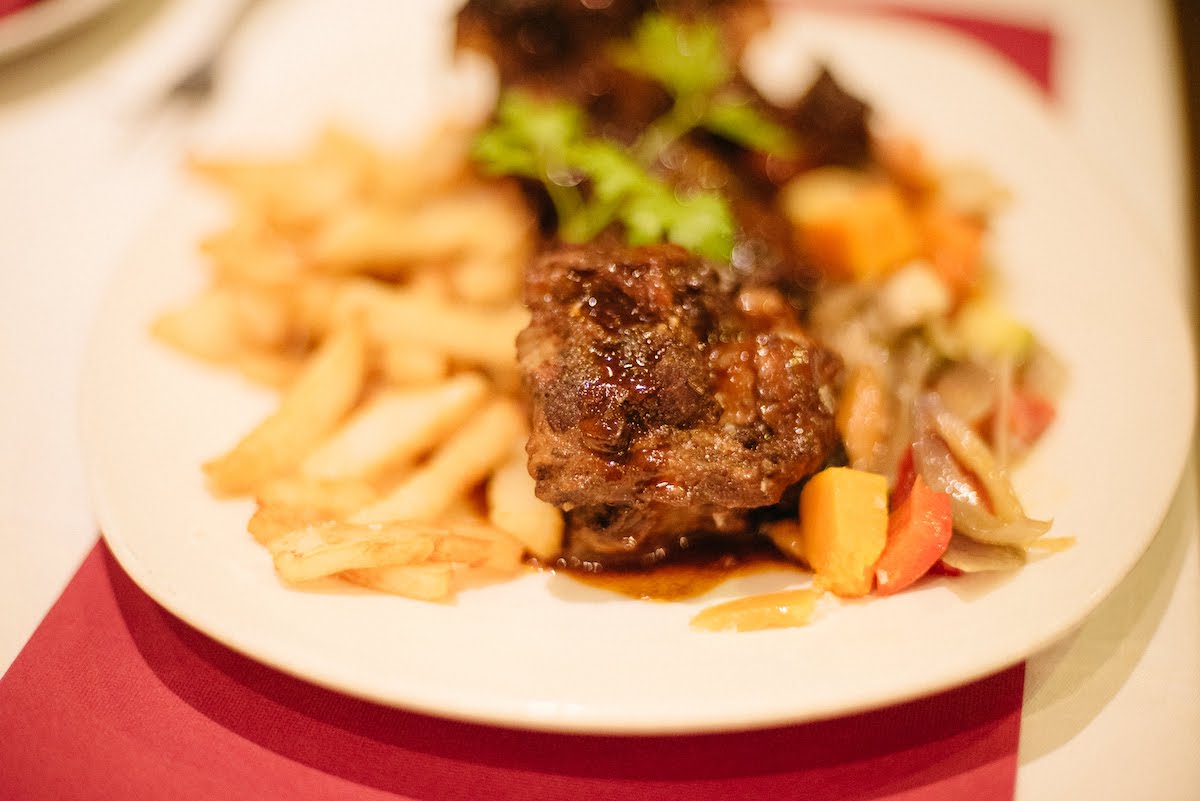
[(671, 398), (664, 401)]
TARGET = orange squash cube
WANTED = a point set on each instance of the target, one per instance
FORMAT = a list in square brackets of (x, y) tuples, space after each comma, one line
[(953, 244), (853, 226), (844, 515)]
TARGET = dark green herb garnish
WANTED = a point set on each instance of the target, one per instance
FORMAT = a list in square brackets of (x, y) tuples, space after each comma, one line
[(688, 59), (595, 183)]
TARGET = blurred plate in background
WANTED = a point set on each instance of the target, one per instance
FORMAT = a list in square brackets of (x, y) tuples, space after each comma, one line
[(43, 21)]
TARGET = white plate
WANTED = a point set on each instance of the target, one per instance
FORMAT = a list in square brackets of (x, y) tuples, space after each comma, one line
[(545, 652), (43, 21)]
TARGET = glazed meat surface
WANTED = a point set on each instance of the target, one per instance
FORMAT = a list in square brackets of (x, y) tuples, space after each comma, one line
[(664, 401)]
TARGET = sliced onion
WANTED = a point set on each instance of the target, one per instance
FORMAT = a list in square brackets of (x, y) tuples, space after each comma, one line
[(909, 373), (1001, 445), (968, 389), (976, 557), (983, 527), (937, 465), (943, 472), (973, 452)]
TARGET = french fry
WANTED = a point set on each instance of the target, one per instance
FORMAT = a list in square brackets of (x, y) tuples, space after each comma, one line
[(473, 335), (291, 193), (490, 281), (227, 325), (392, 241), (262, 318), (269, 523), (395, 427), (337, 497), (437, 164), (313, 298), (384, 241), (437, 580), (351, 153), (251, 253), (401, 364), (430, 284), (461, 462), (772, 610), (248, 180), (318, 399), (312, 193), (513, 507), (479, 545), (272, 369), (426, 582), (203, 327), (404, 270), (324, 549)]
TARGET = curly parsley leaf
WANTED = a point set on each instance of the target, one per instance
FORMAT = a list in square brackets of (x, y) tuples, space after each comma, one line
[(703, 223), (650, 210), (613, 172), (544, 140), (527, 126), (686, 58), (531, 138)]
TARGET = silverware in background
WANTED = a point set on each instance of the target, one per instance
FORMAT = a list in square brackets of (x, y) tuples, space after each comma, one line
[(198, 83)]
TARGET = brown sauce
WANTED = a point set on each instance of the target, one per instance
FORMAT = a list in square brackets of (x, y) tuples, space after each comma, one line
[(695, 574)]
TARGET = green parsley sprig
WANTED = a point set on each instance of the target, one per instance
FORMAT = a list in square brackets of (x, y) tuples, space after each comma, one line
[(689, 61), (594, 183)]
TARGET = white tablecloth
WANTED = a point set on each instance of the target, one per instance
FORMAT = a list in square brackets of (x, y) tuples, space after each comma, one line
[(1111, 712)]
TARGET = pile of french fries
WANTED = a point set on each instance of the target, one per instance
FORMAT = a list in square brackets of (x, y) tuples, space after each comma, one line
[(380, 294)]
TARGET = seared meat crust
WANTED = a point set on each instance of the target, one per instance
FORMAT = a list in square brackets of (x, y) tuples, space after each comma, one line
[(643, 534), (653, 382)]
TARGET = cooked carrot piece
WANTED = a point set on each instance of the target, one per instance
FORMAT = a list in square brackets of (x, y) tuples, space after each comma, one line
[(844, 516)]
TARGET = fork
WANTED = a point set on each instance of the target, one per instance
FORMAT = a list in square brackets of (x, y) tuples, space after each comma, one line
[(195, 86)]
